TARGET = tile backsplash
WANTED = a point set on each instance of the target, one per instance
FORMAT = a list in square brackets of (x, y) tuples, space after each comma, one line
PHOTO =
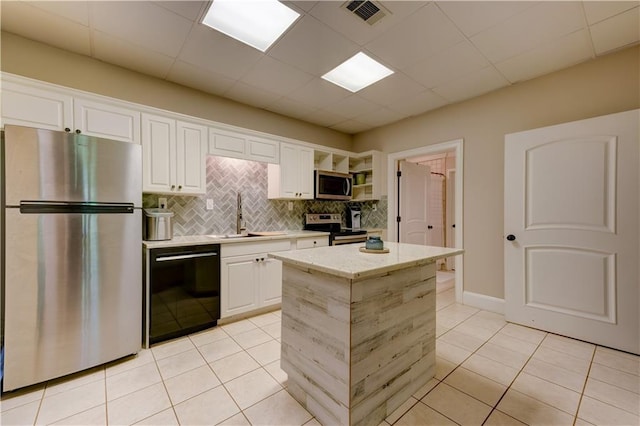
[(228, 176)]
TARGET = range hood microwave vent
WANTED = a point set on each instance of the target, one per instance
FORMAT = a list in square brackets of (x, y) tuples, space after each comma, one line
[(367, 10)]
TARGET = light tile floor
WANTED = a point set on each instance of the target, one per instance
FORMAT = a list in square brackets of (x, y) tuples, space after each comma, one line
[(488, 372)]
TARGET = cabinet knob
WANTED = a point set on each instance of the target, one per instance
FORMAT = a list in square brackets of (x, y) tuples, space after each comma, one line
[(179, 186), (78, 131), (173, 187), (262, 259), (66, 129), (257, 260), (429, 227), (511, 237)]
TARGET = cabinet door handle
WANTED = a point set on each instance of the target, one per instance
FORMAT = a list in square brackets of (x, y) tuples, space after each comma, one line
[(66, 129), (78, 131)]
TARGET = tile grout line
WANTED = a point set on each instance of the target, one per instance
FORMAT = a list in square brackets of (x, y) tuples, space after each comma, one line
[(457, 366), (584, 386), (495, 407)]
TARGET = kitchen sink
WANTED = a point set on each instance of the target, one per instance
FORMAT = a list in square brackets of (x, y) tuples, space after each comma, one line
[(249, 234)]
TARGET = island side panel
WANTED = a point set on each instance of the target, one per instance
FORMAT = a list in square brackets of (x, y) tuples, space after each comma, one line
[(392, 340), (316, 341)]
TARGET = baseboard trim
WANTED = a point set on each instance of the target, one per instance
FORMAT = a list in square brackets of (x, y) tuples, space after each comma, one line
[(481, 301)]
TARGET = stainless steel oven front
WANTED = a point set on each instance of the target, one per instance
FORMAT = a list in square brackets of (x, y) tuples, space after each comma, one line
[(355, 237)]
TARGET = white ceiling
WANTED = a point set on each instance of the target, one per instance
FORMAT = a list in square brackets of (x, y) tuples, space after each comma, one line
[(442, 52)]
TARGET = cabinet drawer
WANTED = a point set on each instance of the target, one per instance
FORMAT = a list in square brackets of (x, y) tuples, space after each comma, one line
[(311, 242), (242, 248)]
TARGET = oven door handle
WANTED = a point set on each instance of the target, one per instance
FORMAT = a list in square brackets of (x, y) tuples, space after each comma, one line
[(184, 256)]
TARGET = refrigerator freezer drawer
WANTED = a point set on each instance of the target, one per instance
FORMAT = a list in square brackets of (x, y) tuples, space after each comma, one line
[(74, 282)]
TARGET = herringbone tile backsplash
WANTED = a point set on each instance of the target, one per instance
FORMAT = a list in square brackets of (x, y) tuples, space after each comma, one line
[(228, 176)]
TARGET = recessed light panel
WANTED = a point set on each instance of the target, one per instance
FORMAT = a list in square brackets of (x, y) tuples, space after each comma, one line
[(357, 73), (258, 23)]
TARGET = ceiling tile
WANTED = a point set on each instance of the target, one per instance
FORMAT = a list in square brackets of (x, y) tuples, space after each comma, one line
[(76, 11), (120, 52), (471, 17), (393, 88), (190, 9), (351, 126), (143, 23), (197, 78), (418, 103), (447, 65), (356, 29), (379, 117), (474, 84), (45, 27), (530, 28), (312, 47), (319, 93), (305, 5), (325, 118), (275, 76), (423, 34), (214, 51), (613, 33), (251, 95), (597, 11), (352, 106), (569, 50), (291, 108)]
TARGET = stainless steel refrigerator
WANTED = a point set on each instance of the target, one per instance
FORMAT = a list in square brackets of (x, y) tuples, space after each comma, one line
[(72, 253)]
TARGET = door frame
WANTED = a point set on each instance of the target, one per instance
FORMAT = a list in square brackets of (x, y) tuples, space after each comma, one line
[(455, 145)]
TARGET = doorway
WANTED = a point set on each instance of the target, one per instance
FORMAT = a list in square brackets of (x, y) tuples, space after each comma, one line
[(441, 180)]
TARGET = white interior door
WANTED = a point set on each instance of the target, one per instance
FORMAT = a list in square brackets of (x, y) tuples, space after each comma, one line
[(414, 203), (435, 217), (451, 217), (571, 203)]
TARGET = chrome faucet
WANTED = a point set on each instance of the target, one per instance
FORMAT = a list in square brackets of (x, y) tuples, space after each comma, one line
[(239, 227)]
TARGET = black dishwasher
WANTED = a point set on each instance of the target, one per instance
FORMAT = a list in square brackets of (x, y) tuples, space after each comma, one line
[(183, 291)]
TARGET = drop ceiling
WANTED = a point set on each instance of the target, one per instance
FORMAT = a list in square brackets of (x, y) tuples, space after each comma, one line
[(442, 52)]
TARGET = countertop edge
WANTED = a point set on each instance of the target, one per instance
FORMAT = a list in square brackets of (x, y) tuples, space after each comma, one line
[(194, 240), (285, 257)]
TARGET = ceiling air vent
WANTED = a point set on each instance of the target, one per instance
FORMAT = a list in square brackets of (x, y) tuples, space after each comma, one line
[(367, 10)]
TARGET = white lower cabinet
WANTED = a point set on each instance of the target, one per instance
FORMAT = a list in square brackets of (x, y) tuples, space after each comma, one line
[(249, 278), (238, 290)]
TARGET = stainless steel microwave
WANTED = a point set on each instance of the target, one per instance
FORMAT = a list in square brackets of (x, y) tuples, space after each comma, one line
[(332, 185)]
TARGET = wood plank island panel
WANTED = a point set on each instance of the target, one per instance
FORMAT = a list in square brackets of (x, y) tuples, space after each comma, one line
[(356, 348)]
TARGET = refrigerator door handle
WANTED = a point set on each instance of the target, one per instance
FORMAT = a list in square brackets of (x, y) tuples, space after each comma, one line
[(39, 207)]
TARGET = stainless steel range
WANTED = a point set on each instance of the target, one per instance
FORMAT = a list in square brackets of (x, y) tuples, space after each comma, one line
[(332, 223)]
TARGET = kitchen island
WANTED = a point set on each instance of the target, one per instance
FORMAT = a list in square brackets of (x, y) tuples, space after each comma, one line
[(358, 329)]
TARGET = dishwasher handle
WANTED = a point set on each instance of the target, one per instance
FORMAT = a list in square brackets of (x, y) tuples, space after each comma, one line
[(184, 256)]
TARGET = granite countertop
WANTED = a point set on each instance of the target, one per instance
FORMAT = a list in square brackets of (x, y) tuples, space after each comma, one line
[(347, 261), (193, 240)]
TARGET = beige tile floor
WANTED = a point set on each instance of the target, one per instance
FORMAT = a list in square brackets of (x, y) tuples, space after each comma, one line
[(488, 372)]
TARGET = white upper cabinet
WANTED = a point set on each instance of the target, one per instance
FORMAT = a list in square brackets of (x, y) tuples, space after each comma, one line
[(106, 120), (226, 143), (293, 177), (372, 167), (173, 156), (191, 151), (35, 107)]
